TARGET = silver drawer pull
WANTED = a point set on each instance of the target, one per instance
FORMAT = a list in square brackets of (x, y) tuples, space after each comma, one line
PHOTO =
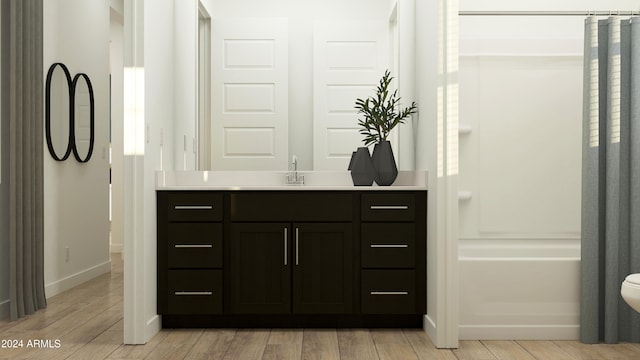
[(297, 247), (193, 293), (389, 207), (389, 293), (193, 207), (188, 246), (389, 245), (286, 250)]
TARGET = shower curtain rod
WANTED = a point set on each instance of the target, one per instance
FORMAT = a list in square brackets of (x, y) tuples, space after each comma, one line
[(550, 13)]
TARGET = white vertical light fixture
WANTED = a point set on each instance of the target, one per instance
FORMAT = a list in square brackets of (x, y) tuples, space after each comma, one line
[(133, 111)]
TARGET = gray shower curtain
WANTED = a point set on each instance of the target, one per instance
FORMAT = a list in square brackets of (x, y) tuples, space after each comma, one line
[(610, 178), (22, 106)]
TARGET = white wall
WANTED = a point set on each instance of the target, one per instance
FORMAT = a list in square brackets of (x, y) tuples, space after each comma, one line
[(4, 188), (521, 97), (76, 33), (160, 92), (435, 155), (149, 111)]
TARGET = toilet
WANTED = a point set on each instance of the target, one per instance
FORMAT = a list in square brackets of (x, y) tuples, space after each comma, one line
[(630, 291)]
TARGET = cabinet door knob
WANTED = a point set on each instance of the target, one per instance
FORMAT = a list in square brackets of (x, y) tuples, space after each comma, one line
[(190, 246)]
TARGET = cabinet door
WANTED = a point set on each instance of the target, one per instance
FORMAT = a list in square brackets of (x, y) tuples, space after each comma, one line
[(323, 268), (260, 268)]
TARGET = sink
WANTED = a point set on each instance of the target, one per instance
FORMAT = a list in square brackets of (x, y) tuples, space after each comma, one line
[(276, 180)]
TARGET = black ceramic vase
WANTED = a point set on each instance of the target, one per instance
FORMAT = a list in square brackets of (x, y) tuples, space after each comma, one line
[(384, 164), (362, 172)]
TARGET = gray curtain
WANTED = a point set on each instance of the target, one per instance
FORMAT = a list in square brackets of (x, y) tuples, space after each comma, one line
[(22, 65), (610, 179)]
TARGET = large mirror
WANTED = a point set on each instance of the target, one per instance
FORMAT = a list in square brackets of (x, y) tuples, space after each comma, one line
[(330, 60)]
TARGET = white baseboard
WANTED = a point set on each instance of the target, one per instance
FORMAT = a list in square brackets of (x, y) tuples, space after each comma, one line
[(429, 327), (519, 332), (115, 248), (4, 309), (153, 327), (56, 287)]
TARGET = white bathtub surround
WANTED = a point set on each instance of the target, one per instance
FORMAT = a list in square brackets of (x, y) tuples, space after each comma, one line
[(519, 247), (276, 180), (519, 289)]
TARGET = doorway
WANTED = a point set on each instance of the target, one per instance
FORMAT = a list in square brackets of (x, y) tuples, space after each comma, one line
[(116, 134)]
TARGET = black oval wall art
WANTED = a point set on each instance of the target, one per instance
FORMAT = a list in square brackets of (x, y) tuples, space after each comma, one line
[(82, 105), (69, 114), (58, 111)]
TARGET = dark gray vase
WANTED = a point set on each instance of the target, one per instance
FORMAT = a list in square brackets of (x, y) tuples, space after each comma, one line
[(362, 172), (384, 163)]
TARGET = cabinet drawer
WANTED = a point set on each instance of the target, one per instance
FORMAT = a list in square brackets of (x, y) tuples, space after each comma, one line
[(291, 206), (388, 245), (194, 292), (388, 207), (388, 292), (194, 245), (194, 206)]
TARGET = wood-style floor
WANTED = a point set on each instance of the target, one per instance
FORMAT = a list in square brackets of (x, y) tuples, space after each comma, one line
[(87, 322)]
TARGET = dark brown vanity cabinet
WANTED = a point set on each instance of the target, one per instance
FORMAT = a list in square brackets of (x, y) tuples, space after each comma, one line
[(291, 258), (300, 264), (283, 268), (190, 253), (393, 253)]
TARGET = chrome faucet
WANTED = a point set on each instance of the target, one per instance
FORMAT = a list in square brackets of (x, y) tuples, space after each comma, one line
[(295, 178)]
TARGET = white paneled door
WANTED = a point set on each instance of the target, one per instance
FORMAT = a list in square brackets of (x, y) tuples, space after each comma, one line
[(350, 57), (249, 94)]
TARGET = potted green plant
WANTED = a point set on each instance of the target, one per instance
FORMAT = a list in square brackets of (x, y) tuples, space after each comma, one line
[(381, 114)]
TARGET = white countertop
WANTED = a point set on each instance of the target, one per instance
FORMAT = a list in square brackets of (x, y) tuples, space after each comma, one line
[(276, 180)]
